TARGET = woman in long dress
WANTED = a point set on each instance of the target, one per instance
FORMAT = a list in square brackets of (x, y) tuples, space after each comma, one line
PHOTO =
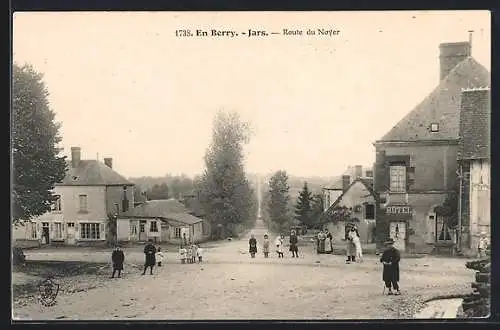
[(328, 241), (351, 249)]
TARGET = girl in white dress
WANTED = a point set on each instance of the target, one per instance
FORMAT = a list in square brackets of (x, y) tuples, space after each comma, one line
[(279, 245)]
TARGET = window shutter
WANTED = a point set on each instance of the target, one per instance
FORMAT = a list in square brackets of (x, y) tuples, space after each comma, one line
[(102, 233)]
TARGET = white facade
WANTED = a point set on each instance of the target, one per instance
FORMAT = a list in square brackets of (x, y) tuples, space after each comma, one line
[(330, 196), (480, 200), (79, 215)]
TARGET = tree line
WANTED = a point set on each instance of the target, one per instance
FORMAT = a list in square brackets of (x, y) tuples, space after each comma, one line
[(227, 196), (281, 213)]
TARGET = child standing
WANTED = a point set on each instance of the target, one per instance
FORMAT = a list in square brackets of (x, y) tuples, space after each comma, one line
[(265, 246), (199, 252), (182, 254), (190, 254), (194, 253), (117, 257), (279, 245), (159, 256)]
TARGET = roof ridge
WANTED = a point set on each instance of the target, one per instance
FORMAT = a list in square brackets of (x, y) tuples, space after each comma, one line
[(486, 88)]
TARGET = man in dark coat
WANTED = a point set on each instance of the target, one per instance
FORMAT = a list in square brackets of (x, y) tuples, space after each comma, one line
[(252, 242), (149, 251), (117, 258), (293, 244), (390, 259)]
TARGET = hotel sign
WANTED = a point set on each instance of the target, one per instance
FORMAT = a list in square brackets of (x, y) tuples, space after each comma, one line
[(395, 210)]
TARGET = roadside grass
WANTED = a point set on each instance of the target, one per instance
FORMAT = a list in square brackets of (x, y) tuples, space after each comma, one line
[(38, 271)]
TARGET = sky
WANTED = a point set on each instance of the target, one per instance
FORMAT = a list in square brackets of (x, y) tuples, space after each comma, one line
[(124, 86)]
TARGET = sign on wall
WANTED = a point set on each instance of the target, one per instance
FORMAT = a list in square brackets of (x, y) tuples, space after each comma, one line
[(395, 210)]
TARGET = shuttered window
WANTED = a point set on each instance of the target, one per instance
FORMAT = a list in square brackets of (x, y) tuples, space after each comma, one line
[(90, 230), (397, 174)]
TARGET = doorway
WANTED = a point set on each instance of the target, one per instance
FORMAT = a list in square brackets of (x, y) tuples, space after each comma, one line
[(142, 230), (71, 233), (398, 234), (45, 233)]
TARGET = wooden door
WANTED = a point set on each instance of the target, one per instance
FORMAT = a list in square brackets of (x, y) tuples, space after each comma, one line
[(142, 230)]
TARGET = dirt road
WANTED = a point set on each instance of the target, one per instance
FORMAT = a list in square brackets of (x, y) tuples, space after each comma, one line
[(231, 285)]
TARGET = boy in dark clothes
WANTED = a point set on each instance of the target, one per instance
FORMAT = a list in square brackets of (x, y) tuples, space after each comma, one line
[(390, 259), (150, 253), (117, 257)]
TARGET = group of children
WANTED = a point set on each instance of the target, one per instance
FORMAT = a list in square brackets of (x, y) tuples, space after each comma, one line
[(190, 253)]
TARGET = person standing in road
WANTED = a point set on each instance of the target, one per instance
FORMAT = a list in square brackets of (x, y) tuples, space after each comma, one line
[(117, 257), (482, 245), (199, 252), (294, 244), (351, 249), (328, 241), (159, 256), (149, 251), (390, 259), (252, 242), (265, 246), (279, 245)]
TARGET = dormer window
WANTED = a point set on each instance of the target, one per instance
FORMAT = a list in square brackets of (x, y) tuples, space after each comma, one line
[(434, 127)]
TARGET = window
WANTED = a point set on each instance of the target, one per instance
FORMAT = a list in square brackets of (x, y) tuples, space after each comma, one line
[(434, 127), (133, 229), (117, 208), (71, 225), (398, 178), (32, 230), (83, 206), (177, 233), (90, 231), (58, 230), (153, 227), (370, 212), (56, 204)]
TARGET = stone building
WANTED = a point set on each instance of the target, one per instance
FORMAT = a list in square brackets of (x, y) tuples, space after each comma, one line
[(416, 161)]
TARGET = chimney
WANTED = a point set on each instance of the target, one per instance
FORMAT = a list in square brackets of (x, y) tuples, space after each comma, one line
[(108, 162), (346, 181), (452, 53), (358, 171), (75, 156)]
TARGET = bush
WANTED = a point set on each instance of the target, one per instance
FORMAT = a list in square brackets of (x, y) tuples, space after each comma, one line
[(18, 257)]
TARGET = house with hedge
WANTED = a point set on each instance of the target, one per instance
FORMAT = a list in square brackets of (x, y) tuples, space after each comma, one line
[(416, 161), (355, 206)]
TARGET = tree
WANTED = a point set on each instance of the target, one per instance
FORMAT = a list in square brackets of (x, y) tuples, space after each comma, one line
[(303, 209), (449, 208), (317, 209), (278, 200), (225, 191), (34, 144), (158, 191)]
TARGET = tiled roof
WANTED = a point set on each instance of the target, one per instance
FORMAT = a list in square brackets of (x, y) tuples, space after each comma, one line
[(475, 128), (364, 181), (441, 106), (166, 209), (92, 173)]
